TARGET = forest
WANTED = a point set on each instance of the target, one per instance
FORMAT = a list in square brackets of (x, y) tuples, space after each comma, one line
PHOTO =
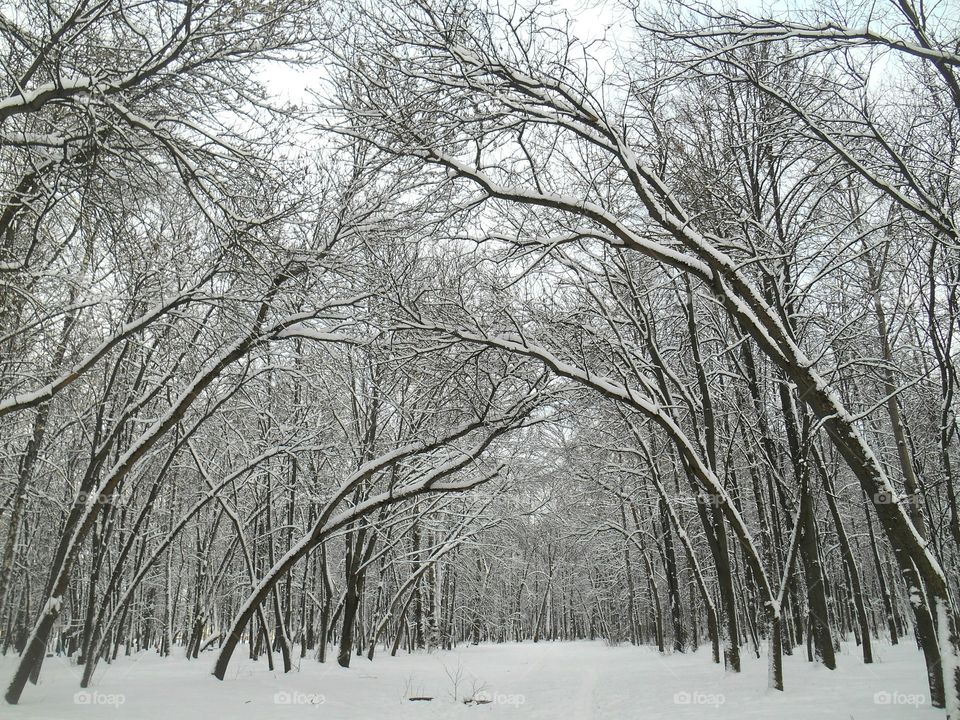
[(339, 331)]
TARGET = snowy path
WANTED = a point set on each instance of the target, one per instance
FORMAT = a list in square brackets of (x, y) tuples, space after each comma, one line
[(584, 707), (555, 681)]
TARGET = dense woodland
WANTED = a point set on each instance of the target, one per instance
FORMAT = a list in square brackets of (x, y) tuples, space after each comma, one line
[(487, 331)]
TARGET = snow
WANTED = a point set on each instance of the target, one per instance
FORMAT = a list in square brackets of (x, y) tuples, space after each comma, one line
[(543, 681), (26, 100), (951, 667)]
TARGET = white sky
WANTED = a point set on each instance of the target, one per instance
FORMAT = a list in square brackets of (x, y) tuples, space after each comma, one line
[(591, 20)]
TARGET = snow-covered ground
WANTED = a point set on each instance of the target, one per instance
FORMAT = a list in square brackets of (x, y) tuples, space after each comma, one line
[(544, 681)]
